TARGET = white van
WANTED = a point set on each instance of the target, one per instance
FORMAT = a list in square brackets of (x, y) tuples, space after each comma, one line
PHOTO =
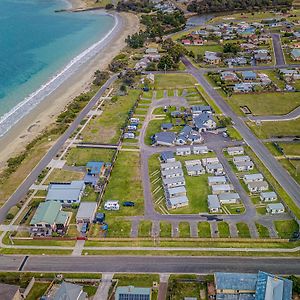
[(112, 205)]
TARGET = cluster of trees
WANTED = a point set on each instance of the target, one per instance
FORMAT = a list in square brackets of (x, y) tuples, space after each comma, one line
[(119, 62), (144, 6), (207, 6), (157, 25), (231, 48)]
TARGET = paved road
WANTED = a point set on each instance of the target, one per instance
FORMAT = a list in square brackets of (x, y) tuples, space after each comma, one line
[(280, 174), (22, 190), (152, 264), (293, 115), (278, 53)]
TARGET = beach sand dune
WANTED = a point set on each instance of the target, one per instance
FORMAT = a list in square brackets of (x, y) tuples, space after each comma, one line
[(46, 112)]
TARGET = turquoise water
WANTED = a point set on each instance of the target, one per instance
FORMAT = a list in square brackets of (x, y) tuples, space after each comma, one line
[(36, 43)]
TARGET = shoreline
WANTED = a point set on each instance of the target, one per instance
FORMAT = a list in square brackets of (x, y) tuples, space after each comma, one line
[(45, 113)]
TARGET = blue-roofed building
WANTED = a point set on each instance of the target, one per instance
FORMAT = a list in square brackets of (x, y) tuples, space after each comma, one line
[(167, 156), (249, 75), (132, 293), (93, 171)]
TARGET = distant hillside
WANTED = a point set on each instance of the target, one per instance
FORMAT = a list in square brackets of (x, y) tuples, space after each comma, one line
[(208, 6)]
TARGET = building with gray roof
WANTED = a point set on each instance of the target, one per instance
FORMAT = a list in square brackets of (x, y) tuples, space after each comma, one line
[(221, 188), (195, 170), (258, 186), (171, 173), (212, 180), (229, 198), (241, 158), (167, 156), (132, 293), (175, 192), (68, 290), (164, 138), (213, 203), (173, 182), (253, 177), (177, 202), (170, 165), (268, 196), (86, 212), (275, 208), (235, 150), (244, 165)]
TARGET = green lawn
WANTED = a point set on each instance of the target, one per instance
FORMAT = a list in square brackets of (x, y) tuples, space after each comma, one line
[(243, 230), (118, 228), (223, 229), (125, 183), (184, 229), (265, 103), (137, 280), (182, 288), (291, 149), (89, 194), (262, 231), (80, 156), (286, 228), (60, 175), (145, 228), (38, 290), (165, 229), (207, 47), (173, 81), (204, 230)]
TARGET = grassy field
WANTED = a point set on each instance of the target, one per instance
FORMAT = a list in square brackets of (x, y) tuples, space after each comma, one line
[(243, 230), (270, 129), (125, 183), (204, 230), (38, 290), (106, 127), (165, 229), (80, 156), (265, 103), (285, 229), (145, 228), (137, 280), (118, 228), (223, 229), (184, 229), (60, 175), (207, 47), (290, 149), (262, 231), (173, 81)]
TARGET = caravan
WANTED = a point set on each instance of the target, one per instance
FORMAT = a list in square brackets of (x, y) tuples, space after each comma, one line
[(112, 205)]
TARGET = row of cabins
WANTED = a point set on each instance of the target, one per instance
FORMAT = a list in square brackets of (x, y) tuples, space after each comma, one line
[(243, 163)]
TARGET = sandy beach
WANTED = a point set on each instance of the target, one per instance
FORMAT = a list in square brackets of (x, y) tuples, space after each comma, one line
[(46, 112)]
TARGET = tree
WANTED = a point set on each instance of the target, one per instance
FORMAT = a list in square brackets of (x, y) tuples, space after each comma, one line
[(136, 40), (166, 63), (231, 48)]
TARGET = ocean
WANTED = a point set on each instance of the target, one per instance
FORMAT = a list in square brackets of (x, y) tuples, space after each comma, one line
[(39, 49)]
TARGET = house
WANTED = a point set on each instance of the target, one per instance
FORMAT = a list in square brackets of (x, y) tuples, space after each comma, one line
[(216, 169), (235, 151), (198, 42), (229, 198), (175, 192), (248, 75), (129, 135), (167, 156), (213, 204), (262, 56), (183, 151), (193, 162), (257, 186), (199, 149), (288, 73), (171, 173), (229, 76), (132, 293), (204, 122), (248, 46), (166, 126), (186, 42), (112, 205), (236, 61), (210, 160), (242, 158), (253, 178), (164, 139), (86, 212), (177, 202), (195, 170), (211, 58), (10, 292), (244, 165), (212, 180), (275, 208), (66, 290), (264, 79), (173, 182), (243, 87), (221, 188), (171, 165), (295, 53), (93, 171), (268, 196), (197, 110), (49, 218), (66, 193)]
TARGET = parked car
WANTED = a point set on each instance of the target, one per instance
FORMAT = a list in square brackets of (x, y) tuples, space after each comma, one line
[(128, 203), (84, 228)]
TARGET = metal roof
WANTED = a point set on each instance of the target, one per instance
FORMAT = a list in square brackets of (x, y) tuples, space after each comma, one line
[(86, 210), (235, 281)]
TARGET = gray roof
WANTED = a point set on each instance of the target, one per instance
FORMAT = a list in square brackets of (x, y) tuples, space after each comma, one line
[(165, 137), (8, 291), (275, 206), (244, 163), (194, 168), (215, 179), (173, 165), (178, 200), (176, 190), (222, 187), (171, 172), (257, 184), (200, 148), (228, 196), (213, 202), (200, 120), (235, 281), (241, 158), (173, 180), (215, 166), (167, 155), (86, 210), (251, 177), (122, 292), (186, 130), (183, 149), (200, 108), (232, 149), (268, 194), (193, 162), (65, 191), (69, 291)]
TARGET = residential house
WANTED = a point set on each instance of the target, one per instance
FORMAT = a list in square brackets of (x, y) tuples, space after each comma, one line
[(166, 126), (236, 61), (172, 173), (213, 204), (216, 169), (242, 158), (167, 157), (193, 162), (129, 135), (243, 87), (248, 46), (198, 42), (171, 165), (244, 165), (10, 292), (253, 178), (264, 79), (235, 150), (229, 76), (195, 170), (248, 75), (268, 196), (229, 198), (221, 188), (49, 218), (175, 192), (209, 160), (173, 182), (275, 208), (186, 42), (164, 139), (213, 180), (295, 53), (257, 186), (183, 151), (86, 212), (204, 122), (212, 58), (66, 193), (262, 55), (197, 110), (93, 171), (177, 202), (66, 290), (199, 149)]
